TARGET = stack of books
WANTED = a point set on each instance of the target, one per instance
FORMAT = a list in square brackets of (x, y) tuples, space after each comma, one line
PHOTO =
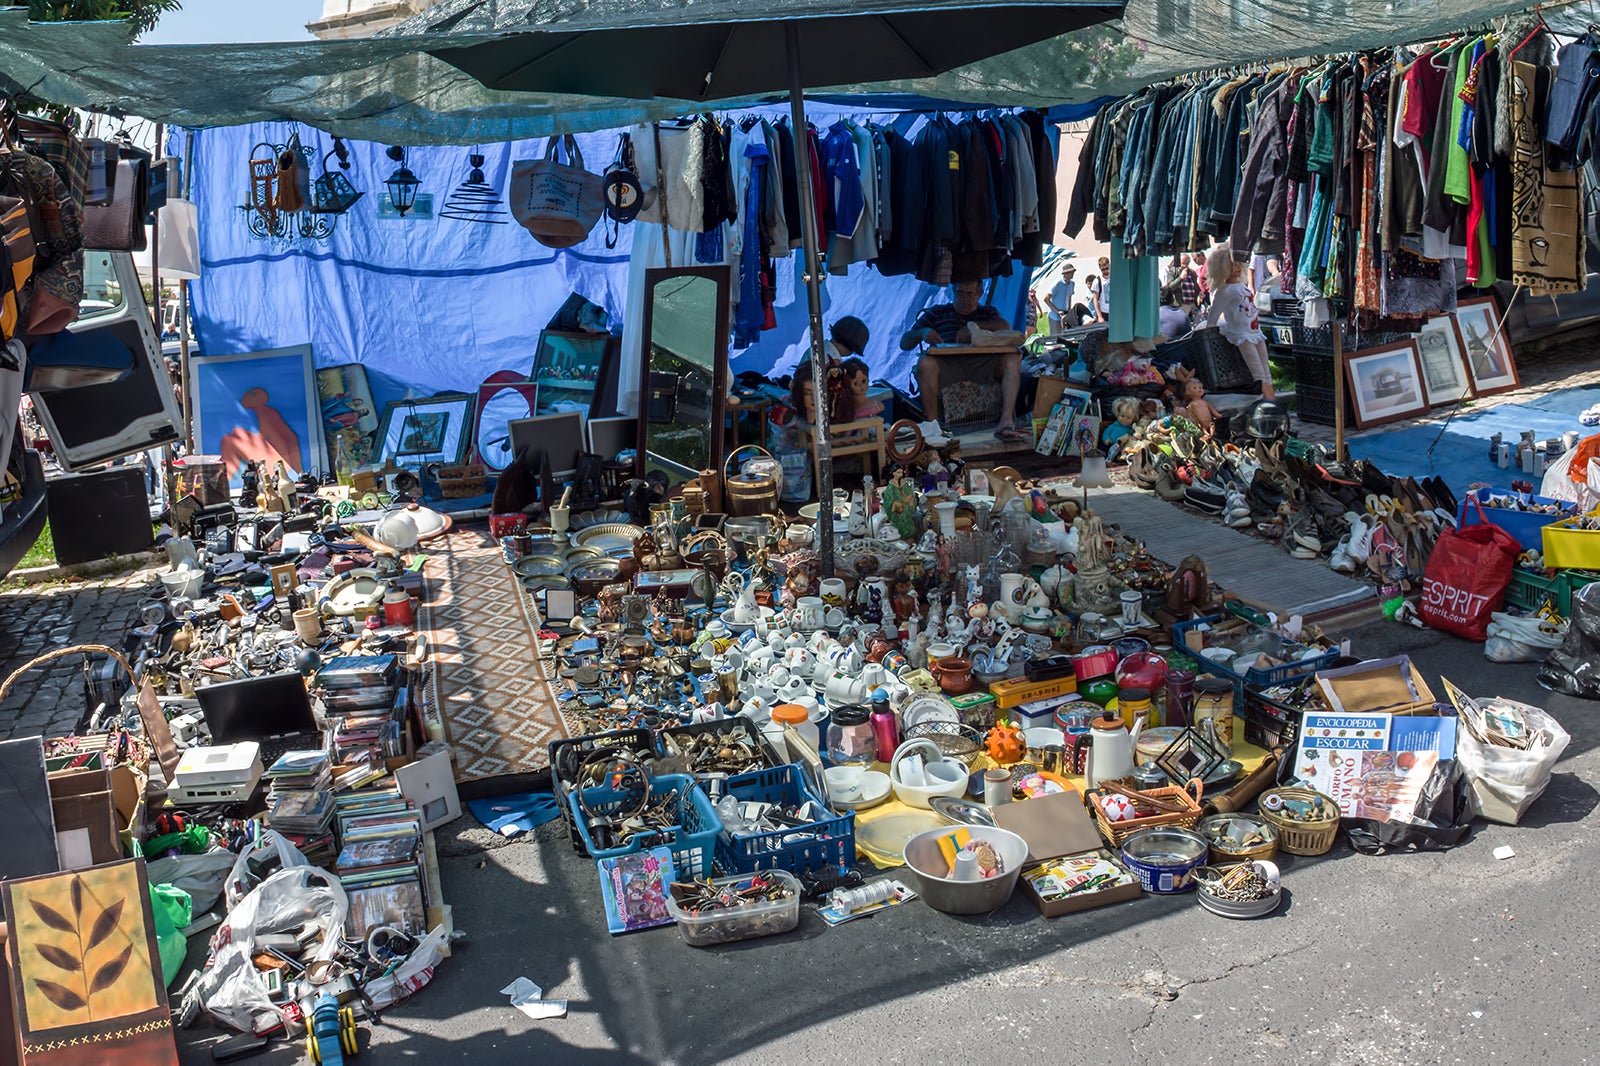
[(380, 862), (306, 820), (300, 771), (352, 683)]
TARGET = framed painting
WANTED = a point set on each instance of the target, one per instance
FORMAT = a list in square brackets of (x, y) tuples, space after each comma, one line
[(1490, 360), (349, 417), (86, 981), (417, 432), (1444, 364), (259, 406), (1385, 383)]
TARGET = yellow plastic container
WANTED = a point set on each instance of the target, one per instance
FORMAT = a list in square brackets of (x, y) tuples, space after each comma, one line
[(1566, 548)]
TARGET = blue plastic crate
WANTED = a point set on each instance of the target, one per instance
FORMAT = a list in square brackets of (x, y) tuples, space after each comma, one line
[(692, 841), (799, 849), (1262, 678), (1526, 526)]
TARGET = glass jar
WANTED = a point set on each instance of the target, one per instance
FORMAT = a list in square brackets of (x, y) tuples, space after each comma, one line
[(851, 741)]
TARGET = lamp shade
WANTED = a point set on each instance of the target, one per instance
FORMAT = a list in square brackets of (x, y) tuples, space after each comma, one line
[(402, 183), (1094, 474)]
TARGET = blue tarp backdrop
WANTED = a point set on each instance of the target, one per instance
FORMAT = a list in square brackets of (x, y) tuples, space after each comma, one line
[(438, 304)]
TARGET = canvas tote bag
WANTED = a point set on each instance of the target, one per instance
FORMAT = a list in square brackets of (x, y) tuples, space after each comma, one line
[(559, 203)]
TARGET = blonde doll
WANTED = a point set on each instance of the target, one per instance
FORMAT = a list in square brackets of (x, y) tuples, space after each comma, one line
[(1232, 305)]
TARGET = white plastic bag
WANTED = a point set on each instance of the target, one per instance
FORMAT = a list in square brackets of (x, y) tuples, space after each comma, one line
[(1513, 639), (1506, 781), (410, 975), (239, 880), (231, 989)]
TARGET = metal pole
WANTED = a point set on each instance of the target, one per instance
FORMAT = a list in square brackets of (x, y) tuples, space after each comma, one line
[(183, 365), (1338, 388), (813, 279)]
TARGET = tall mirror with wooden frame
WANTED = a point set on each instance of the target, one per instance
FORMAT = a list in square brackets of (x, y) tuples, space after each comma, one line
[(683, 379)]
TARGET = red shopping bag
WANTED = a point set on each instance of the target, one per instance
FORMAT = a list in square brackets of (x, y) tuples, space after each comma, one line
[(1467, 576)]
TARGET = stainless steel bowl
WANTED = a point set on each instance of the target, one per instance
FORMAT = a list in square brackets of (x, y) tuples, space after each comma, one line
[(926, 866)]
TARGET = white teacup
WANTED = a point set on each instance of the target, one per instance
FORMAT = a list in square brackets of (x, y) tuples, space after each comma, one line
[(941, 650), (809, 612), (800, 536)]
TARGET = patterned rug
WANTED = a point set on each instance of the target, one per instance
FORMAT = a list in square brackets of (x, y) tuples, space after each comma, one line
[(499, 709)]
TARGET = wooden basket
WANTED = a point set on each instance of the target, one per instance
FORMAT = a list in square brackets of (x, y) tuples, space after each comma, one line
[(461, 482), (746, 495), (1294, 836), (1118, 832)]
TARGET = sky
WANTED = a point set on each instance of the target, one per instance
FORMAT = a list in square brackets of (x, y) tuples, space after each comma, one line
[(224, 21)]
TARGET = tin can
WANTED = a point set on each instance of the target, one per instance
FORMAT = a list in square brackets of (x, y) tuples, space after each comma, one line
[(1096, 660)]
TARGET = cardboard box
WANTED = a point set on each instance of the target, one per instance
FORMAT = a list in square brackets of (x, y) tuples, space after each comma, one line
[(85, 817), (1015, 690), (1378, 686), (1055, 908), (1046, 391), (127, 801)]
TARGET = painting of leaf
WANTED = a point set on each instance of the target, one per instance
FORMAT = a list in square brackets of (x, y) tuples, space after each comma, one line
[(82, 947), (51, 917), (107, 975), (60, 995), (106, 924), (57, 957)]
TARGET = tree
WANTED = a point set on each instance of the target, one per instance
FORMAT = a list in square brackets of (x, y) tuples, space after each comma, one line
[(140, 15)]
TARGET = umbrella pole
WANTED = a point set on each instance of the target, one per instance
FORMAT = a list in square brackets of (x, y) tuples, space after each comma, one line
[(813, 279)]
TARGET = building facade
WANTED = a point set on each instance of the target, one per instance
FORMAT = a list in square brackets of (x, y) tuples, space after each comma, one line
[(346, 19)]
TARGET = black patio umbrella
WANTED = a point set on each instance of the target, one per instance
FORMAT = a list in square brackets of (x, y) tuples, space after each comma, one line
[(706, 50)]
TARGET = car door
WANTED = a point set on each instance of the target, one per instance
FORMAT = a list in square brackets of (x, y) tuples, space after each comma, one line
[(93, 424)]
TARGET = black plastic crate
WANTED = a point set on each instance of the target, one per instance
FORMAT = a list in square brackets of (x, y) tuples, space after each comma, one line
[(1269, 724), (567, 756), (1313, 368), (1320, 338), (1316, 405), (1218, 362), (742, 728)]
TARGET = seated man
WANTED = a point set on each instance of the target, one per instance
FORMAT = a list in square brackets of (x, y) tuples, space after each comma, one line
[(947, 324)]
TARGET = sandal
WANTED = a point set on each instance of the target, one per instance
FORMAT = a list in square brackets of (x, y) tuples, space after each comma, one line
[(1009, 434)]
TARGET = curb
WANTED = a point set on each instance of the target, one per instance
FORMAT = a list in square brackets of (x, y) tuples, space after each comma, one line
[(35, 575)]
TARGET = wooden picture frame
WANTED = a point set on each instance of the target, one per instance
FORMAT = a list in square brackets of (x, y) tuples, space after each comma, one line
[(1490, 361), (1445, 376), (1385, 383)]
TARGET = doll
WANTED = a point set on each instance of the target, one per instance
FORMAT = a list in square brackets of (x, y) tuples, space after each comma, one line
[(1194, 406), (1232, 305), (1126, 410)]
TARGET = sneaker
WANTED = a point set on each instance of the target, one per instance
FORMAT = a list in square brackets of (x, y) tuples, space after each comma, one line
[(1360, 545), (1340, 560), (1236, 512), (1204, 496)]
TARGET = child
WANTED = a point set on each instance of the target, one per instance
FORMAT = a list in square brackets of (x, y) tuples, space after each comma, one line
[(1231, 303), (858, 378)]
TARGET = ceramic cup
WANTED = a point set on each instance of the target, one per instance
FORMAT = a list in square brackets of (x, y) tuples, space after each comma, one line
[(811, 612), (308, 625), (834, 618), (832, 590), (940, 650), (1132, 603), (800, 536)]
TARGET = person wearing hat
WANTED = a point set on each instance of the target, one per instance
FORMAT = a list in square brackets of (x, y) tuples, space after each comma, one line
[(1058, 301)]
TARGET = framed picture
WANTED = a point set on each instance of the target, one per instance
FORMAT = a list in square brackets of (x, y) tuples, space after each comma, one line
[(1483, 342), (418, 432), (349, 417), (1444, 364), (260, 406), (1385, 383)]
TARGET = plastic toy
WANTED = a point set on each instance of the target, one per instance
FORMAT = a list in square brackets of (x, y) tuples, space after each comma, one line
[(332, 1032)]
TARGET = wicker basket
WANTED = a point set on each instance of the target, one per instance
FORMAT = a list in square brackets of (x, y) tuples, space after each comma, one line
[(1118, 832), (463, 482), (1223, 855), (1294, 836)]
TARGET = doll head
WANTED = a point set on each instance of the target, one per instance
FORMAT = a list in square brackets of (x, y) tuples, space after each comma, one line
[(1126, 409), (1193, 389), (1220, 267), (859, 380)]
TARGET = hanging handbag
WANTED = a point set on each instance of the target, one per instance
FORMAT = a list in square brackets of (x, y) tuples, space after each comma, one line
[(118, 224), (558, 203), (1466, 578)]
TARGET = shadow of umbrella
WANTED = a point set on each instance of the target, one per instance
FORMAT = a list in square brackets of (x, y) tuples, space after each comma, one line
[(706, 50)]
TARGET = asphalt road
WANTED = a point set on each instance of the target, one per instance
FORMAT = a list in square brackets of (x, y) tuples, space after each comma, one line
[(1415, 958)]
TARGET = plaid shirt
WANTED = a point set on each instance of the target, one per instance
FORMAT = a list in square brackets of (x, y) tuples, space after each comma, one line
[(1188, 288)]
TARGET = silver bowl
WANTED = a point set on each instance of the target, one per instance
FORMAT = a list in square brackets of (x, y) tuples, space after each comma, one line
[(926, 866)]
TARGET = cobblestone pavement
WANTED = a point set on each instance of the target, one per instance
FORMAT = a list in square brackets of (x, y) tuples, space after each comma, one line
[(34, 619)]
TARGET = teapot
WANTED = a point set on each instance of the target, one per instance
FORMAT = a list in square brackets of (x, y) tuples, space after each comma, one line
[(1111, 748)]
